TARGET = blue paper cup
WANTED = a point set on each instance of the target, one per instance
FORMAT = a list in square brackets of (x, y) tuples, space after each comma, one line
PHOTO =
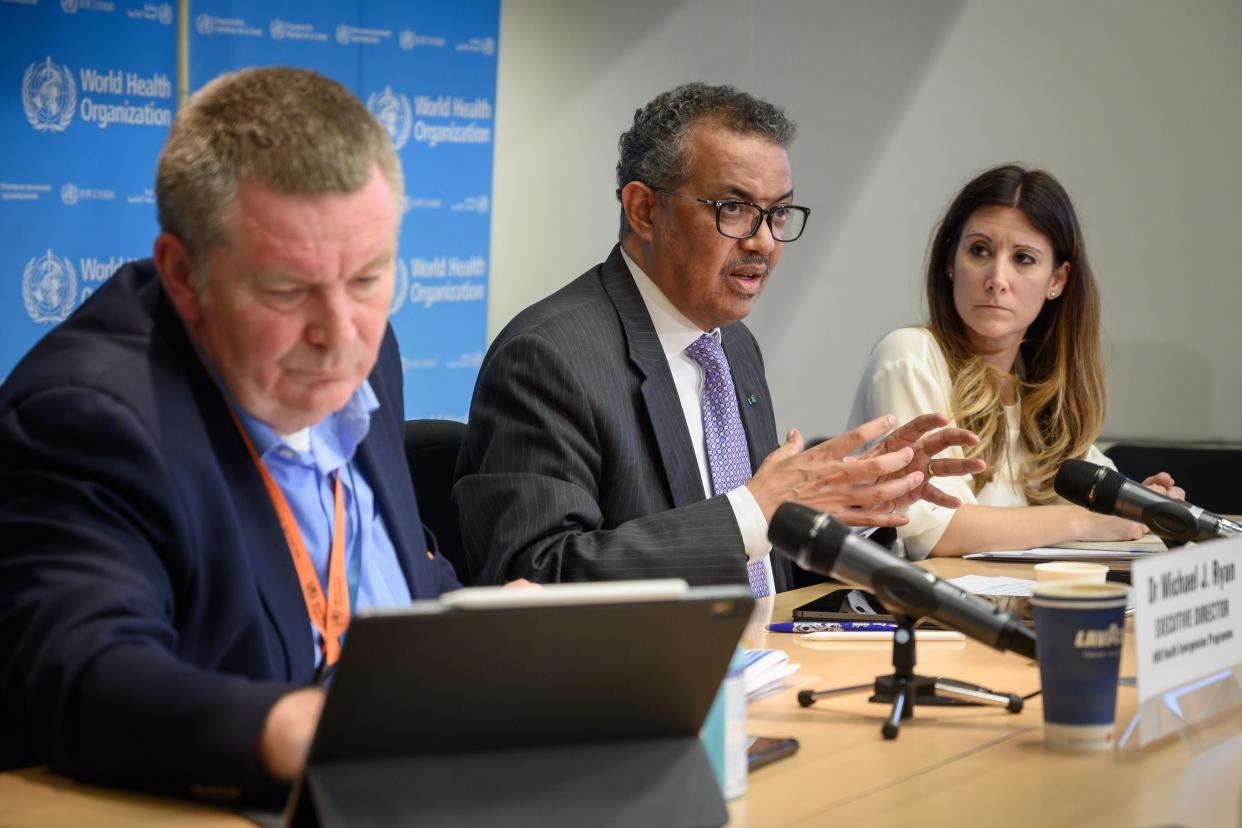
[(1079, 628)]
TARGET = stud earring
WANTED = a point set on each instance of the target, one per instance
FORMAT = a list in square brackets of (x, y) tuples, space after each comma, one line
[(1052, 295)]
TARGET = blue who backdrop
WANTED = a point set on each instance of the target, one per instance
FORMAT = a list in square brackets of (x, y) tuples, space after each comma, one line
[(87, 91), (428, 72), (76, 182)]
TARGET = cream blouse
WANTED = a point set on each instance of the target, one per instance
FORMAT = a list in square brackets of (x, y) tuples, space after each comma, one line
[(907, 376)]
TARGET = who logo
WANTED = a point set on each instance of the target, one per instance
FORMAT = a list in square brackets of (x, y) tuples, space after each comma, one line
[(392, 110), (49, 288), (49, 96)]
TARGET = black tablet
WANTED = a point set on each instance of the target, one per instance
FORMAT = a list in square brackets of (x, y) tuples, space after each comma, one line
[(535, 706)]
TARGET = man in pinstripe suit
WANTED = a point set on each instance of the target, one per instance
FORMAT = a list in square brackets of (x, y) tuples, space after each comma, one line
[(585, 456)]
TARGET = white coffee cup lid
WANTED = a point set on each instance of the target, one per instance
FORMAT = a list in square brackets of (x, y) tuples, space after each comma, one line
[(1078, 593), (1071, 571)]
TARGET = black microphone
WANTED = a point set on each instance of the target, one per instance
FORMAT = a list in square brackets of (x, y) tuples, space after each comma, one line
[(821, 544), (1103, 490)]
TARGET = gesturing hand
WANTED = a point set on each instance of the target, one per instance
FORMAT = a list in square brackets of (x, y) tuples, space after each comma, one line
[(914, 436), (864, 490), (823, 478)]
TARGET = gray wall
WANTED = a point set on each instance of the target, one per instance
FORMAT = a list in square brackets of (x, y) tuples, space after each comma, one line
[(1135, 106)]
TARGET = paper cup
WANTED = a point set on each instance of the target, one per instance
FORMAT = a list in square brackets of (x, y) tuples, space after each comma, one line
[(1079, 628), (1071, 571)]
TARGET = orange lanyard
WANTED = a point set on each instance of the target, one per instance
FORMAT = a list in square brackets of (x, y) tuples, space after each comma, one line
[(331, 616)]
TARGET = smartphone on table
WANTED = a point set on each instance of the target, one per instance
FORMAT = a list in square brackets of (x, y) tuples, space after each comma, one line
[(765, 750), (852, 605)]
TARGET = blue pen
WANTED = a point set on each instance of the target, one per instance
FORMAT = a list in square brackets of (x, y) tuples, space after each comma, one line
[(832, 626)]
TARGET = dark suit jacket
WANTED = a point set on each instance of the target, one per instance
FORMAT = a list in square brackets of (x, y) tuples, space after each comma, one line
[(150, 613), (577, 464)]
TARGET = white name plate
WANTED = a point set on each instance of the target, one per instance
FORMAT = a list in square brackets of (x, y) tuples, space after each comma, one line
[(1188, 615)]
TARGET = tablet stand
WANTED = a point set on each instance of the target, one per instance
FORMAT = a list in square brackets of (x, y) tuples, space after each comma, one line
[(628, 783), (904, 688)]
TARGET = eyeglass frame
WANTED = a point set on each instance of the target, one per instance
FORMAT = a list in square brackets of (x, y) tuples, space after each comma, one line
[(765, 213)]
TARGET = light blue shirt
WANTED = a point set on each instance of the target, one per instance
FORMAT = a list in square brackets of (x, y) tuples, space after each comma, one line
[(304, 476)]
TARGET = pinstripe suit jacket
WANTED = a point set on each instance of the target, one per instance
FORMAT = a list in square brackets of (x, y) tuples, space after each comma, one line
[(577, 463)]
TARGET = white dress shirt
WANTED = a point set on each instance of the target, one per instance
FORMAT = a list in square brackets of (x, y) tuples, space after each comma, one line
[(676, 333)]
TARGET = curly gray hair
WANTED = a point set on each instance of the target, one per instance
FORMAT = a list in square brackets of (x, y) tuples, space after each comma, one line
[(655, 150)]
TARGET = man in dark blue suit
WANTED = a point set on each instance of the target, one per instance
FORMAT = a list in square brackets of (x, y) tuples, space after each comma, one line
[(201, 470)]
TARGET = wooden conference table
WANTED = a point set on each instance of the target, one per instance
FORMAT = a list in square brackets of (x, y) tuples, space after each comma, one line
[(949, 766), (969, 765)]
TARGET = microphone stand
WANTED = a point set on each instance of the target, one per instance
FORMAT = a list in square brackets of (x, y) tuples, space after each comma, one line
[(904, 688)]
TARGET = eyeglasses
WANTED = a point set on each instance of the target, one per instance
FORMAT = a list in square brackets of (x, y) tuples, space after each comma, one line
[(741, 219)]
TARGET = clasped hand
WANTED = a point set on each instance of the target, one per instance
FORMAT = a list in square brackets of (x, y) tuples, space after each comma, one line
[(865, 489), (1098, 527)]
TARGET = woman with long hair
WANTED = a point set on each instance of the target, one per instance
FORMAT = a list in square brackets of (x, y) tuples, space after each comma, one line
[(1011, 352)]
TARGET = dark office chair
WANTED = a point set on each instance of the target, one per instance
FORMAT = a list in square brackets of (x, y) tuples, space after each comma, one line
[(1212, 477), (431, 451)]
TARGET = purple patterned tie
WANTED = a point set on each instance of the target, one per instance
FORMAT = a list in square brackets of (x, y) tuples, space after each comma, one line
[(727, 455)]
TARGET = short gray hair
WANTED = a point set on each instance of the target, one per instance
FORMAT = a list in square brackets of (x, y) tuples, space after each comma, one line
[(654, 150), (294, 130)]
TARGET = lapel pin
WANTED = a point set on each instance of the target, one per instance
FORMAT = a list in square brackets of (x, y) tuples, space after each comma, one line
[(431, 556), (752, 399)]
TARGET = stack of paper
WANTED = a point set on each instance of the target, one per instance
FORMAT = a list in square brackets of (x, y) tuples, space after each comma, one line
[(1107, 551), (1012, 587), (765, 672), (985, 585), (1147, 543)]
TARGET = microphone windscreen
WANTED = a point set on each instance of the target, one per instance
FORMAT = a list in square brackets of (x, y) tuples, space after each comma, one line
[(811, 538), (1076, 480), (791, 527)]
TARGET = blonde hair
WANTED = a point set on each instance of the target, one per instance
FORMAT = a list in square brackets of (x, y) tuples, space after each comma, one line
[(291, 129), (1059, 373)]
